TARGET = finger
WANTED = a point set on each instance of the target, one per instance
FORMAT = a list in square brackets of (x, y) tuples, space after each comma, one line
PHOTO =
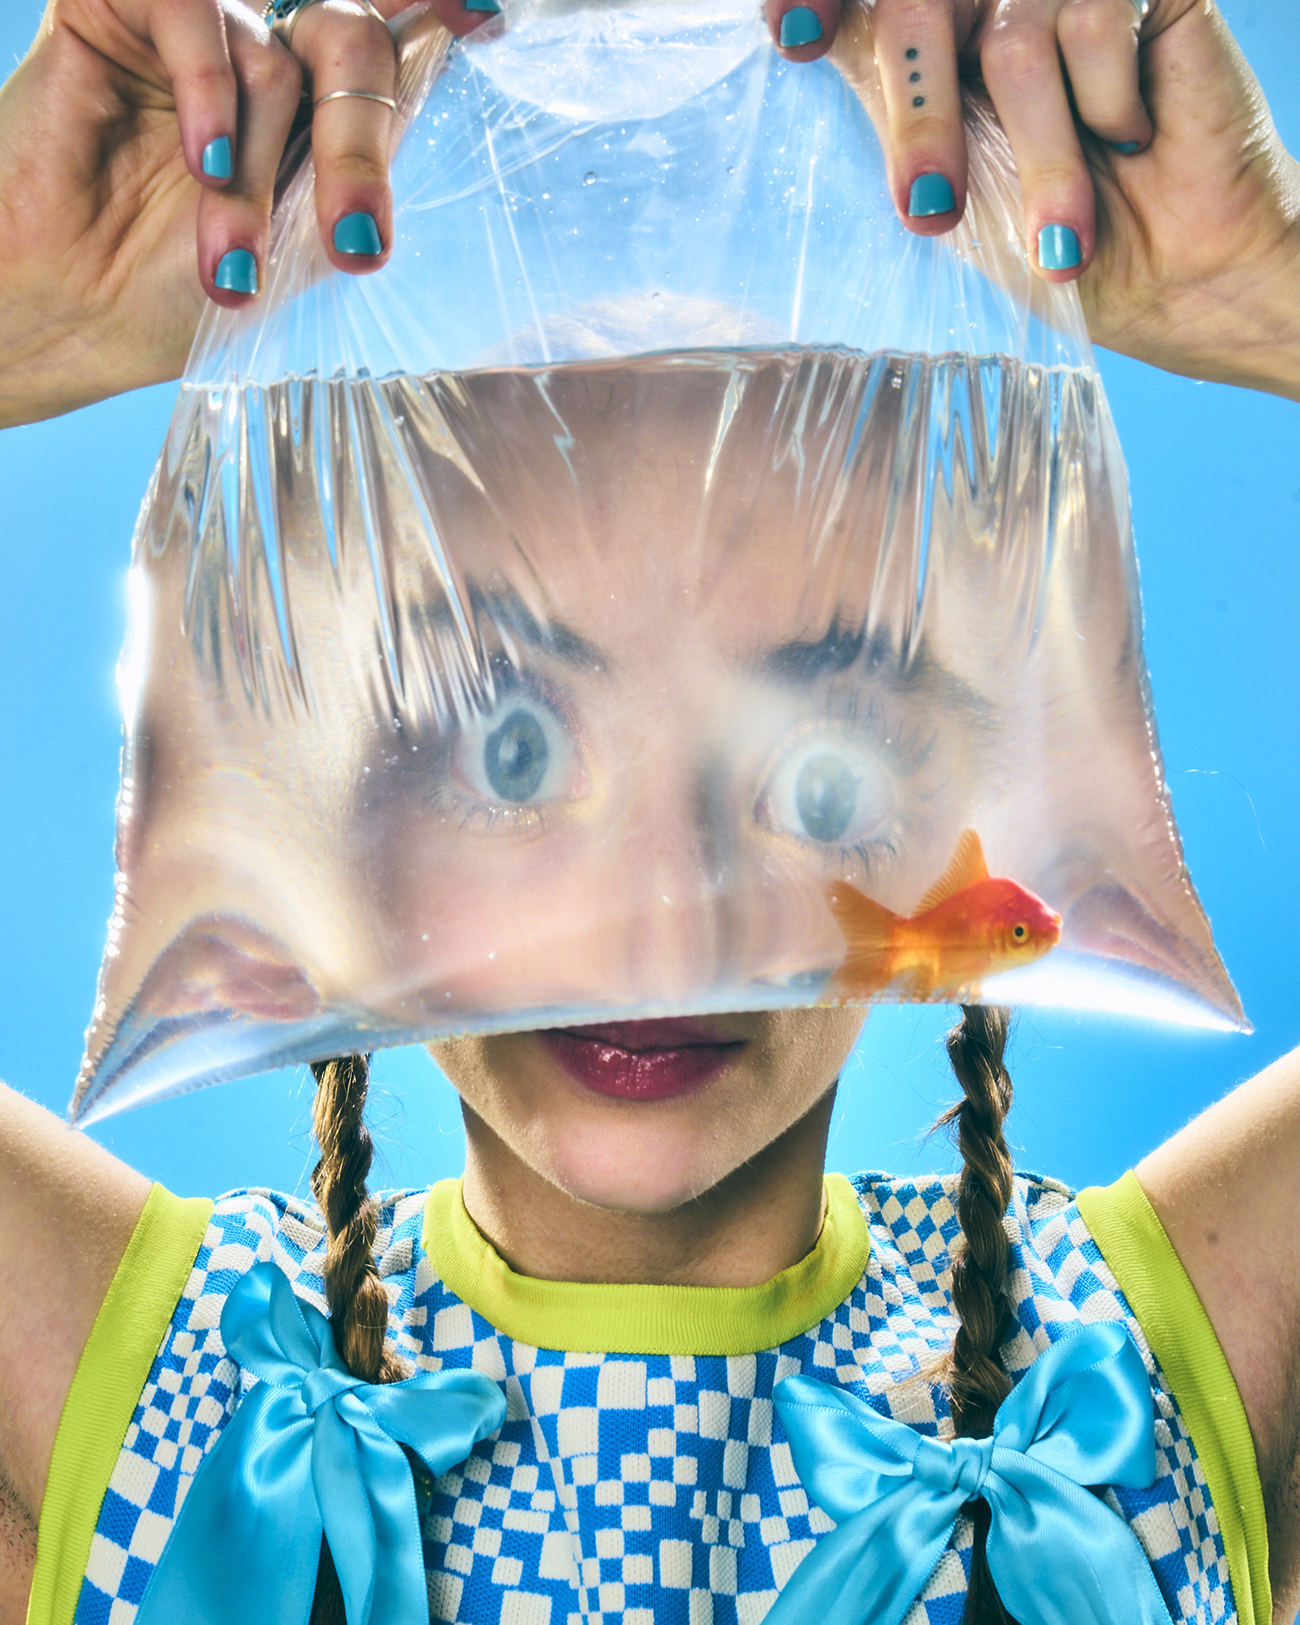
[(191, 44), (1022, 72), (464, 16), (349, 55), (234, 223), (1099, 42), (925, 142), (805, 29)]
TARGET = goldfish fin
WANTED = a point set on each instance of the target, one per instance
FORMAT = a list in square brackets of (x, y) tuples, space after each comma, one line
[(965, 868), (870, 932)]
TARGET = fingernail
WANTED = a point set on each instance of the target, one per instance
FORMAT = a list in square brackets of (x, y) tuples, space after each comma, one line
[(1058, 248), (217, 160), (1125, 146), (800, 26), (490, 6), (358, 234), (237, 272), (931, 194)]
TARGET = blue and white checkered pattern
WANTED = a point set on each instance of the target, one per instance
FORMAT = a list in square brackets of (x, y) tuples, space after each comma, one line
[(647, 1489)]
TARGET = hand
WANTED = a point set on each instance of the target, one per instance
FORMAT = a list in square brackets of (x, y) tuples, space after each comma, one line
[(139, 146), (1148, 164)]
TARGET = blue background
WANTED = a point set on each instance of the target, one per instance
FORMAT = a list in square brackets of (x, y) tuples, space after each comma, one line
[(1216, 496)]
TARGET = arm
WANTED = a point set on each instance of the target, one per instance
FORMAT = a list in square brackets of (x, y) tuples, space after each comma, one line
[(67, 1210), (1225, 1190)]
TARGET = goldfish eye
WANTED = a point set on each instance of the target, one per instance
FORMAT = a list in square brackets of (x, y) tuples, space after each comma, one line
[(827, 790), (1020, 932)]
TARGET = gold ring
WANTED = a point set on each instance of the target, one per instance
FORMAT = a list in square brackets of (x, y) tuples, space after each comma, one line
[(365, 95)]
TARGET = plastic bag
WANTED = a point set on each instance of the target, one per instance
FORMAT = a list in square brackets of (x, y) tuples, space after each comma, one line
[(668, 586)]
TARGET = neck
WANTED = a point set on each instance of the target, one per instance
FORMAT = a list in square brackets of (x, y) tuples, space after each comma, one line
[(764, 1217)]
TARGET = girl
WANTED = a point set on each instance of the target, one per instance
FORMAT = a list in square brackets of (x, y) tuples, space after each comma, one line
[(644, 1243)]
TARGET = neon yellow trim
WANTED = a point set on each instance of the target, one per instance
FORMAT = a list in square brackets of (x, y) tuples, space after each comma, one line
[(111, 1374), (1151, 1276), (581, 1318)]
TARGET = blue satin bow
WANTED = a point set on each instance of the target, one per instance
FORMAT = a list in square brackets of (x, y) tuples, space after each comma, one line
[(1081, 1414), (311, 1448)]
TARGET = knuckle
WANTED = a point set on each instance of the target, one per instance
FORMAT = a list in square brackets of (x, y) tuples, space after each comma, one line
[(1088, 25), (352, 33), (927, 130), (365, 60), (210, 80), (273, 73), (355, 162), (165, 12), (1014, 54), (1056, 181), (910, 17)]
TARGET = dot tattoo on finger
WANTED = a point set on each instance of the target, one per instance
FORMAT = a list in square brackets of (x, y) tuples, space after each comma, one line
[(911, 53)]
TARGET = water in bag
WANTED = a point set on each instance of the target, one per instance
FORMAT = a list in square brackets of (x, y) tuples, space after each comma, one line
[(730, 603)]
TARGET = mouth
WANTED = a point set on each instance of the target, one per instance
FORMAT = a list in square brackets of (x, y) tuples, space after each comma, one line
[(642, 1060)]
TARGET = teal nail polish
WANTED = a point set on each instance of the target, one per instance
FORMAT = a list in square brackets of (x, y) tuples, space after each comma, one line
[(217, 159), (1058, 248), (800, 26), (358, 234), (489, 6), (931, 194), (1125, 146), (237, 272)]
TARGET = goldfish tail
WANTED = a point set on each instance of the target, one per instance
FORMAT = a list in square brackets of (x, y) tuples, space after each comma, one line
[(870, 934)]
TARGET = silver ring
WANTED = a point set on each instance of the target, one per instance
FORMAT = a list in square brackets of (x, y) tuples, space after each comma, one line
[(365, 95), (281, 16)]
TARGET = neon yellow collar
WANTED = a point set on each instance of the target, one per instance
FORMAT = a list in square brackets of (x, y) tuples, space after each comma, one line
[(581, 1318)]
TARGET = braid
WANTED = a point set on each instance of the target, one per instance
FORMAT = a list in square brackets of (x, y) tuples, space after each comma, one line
[(977, 1380), (358, 1304)]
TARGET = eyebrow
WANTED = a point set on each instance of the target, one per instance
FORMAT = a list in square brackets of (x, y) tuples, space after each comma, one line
[(803, 662), (504, 609), (800, 663), (508, 612)]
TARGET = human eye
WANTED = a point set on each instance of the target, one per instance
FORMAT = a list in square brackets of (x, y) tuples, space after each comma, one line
[(517, 757), (828, 788)]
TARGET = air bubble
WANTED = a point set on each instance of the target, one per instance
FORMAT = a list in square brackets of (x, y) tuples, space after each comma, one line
[(589, 178)]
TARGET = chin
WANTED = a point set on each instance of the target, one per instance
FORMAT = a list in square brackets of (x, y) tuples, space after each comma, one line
[(645, 1168)]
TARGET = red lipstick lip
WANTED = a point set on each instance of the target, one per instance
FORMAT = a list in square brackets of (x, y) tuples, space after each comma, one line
[(641, 1060), (671, 1032)]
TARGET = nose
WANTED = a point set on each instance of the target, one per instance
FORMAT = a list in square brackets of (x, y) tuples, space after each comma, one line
[(675, 893)]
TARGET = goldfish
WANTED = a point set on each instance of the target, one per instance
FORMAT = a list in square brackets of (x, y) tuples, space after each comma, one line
[(966, 927)]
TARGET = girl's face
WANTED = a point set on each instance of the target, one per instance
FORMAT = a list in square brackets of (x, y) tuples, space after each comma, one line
[(646, 1116)]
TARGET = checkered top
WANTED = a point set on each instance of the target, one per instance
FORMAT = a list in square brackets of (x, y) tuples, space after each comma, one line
[(647, 1489)]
